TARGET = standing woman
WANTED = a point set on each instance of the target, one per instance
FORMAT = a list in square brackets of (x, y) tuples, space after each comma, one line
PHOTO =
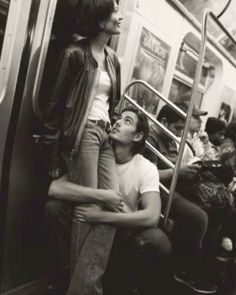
[(77, 120)]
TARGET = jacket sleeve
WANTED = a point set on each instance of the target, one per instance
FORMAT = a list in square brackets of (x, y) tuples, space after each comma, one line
[(118, 86), (55, 106), (118, 77)]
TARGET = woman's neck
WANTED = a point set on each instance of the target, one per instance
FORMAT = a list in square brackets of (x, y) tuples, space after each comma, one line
[(99, 42)]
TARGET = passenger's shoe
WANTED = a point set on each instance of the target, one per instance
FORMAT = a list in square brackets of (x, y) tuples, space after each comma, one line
[(201, 286), (226, 249)]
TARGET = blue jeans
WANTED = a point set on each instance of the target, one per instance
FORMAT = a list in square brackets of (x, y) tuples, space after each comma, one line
[(94, 166)]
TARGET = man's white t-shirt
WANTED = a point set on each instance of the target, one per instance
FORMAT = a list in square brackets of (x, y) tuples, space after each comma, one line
[(137, 177)]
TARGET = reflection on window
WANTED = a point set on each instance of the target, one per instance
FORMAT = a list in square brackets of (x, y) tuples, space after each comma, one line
[(4, 6), (228, 44), (187, 63), (181, 92)]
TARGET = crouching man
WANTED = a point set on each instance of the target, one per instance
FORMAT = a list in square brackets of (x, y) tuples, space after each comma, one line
[(138, 240)]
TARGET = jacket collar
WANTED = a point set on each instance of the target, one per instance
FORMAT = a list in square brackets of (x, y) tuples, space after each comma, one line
[(86, 43)]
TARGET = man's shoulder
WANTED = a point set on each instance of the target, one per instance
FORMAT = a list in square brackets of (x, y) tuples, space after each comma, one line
[(143, 164), (154, 134)]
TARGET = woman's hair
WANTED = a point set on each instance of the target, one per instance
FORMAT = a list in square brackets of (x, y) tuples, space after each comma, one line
[(90, 13), (231, 131), (142, 126)]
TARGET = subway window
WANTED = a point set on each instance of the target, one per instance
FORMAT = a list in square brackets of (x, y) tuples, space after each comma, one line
[(4, 7), (184, 73)]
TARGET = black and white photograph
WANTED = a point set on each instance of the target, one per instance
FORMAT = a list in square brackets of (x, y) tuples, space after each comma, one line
[(117, 147)]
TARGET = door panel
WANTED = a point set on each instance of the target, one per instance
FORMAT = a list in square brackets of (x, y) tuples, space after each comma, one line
[(23, 181)]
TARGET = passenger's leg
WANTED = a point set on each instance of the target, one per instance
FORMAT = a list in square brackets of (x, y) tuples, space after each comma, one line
[(228, 221), (137, 255), (152, 256), (190, 226)]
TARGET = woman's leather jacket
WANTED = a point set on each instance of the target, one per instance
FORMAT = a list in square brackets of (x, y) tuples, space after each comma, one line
[(69, 104)]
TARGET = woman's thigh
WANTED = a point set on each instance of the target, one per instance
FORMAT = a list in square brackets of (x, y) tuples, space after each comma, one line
[(107, 170), (84, 165)]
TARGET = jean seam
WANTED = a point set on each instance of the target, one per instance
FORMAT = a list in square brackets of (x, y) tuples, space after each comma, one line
[(92, 267), (91, 273)]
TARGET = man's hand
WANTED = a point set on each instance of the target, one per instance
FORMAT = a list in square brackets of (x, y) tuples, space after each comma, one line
[(89, 214), (112, 200), (189, 170)]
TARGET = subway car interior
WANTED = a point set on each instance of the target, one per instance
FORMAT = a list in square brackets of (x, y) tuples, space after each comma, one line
[(171, 52)]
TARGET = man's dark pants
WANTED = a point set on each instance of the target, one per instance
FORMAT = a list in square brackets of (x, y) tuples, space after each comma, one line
[(146, 248)]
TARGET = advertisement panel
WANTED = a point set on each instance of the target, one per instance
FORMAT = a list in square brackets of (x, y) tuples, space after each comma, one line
[(150, 65)]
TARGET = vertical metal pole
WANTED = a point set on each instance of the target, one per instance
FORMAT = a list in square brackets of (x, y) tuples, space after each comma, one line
[(189, 115)]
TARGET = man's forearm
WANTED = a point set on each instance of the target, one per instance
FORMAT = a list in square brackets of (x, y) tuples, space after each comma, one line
[(67, 191), (141, 218)]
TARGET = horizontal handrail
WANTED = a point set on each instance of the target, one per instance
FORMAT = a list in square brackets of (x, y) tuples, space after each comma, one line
[(159, 154), (157, 93), (164, 188)]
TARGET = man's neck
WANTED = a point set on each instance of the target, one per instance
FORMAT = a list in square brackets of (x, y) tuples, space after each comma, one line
[(122, 153)]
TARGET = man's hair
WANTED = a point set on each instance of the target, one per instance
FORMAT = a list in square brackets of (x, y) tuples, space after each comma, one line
[(90, 13), (231, 131), (142, 126), (214, 125), (171, 115)]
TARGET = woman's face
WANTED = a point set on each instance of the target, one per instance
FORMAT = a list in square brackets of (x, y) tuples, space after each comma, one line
[(112, 24)]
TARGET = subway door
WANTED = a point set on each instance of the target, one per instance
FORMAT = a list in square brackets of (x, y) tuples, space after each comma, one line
[(23, 179)]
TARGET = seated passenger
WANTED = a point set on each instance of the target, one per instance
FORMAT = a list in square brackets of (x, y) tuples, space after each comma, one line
[(215, 128), (190, 221), (198, 143), (228, 156), (199, 146), (228, 146), (139, 187)]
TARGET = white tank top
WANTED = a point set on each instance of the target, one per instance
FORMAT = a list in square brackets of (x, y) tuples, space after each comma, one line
[(100, 106)]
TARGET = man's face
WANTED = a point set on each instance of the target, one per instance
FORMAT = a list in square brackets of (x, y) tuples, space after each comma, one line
[(124, 129), (217, 138), (195, 124), (176, 128)]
